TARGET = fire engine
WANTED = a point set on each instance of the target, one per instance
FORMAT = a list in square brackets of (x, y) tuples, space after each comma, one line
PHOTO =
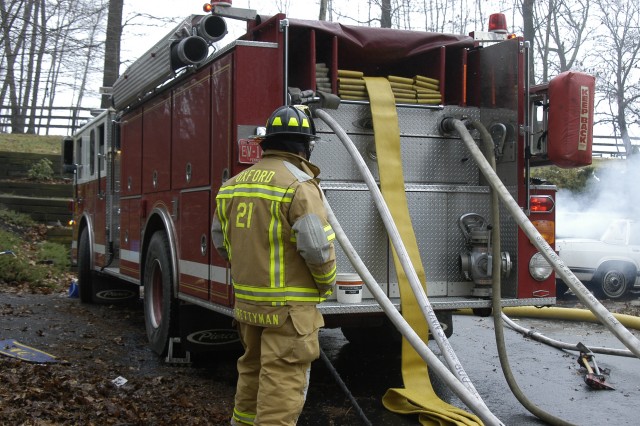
[(147, 170)]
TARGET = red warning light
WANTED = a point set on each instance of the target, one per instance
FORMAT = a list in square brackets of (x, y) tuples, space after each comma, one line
[(541, 203), (498, 23), (208, 7)]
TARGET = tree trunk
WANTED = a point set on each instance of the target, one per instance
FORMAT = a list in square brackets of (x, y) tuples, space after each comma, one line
[(38, 40), (11, 54), (385, 17), (323, 10), (529, 34), (112, 48)]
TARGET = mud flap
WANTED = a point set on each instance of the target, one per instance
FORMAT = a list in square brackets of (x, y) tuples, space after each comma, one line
[(114, 291), (202, 330)]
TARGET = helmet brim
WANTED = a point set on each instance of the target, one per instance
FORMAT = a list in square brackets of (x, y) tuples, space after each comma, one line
[(261, 138)]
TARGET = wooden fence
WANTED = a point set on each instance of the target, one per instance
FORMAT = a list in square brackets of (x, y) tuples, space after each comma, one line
[(71, 119), (46, 119)]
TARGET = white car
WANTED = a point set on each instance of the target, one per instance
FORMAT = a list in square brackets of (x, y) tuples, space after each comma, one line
[(609, 266)]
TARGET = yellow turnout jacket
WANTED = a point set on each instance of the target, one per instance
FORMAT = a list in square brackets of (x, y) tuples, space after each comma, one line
[(271, 224)]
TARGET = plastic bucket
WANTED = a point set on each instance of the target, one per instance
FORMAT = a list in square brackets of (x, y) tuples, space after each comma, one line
[(349, 288)]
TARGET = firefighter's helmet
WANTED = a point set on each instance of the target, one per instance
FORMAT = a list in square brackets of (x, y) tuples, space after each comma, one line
[(291, 121)]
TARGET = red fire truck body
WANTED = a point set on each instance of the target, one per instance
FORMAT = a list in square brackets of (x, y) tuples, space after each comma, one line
[(148, 170)]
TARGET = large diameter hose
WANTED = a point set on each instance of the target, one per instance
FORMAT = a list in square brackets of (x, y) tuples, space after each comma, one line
[(434, 325), (629, 321), (585, 296), (472, 400)]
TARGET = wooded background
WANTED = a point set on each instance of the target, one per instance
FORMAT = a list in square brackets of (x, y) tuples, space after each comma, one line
[(71, 46)]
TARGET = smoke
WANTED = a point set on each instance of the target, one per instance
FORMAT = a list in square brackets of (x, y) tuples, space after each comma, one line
[(613, 192)]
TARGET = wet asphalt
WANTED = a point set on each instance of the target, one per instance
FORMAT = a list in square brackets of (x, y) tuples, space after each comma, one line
[(549, 377)]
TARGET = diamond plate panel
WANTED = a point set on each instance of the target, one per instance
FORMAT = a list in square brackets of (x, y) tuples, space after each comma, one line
[(357, 214), (427, 157), (428, 217), (442, 184)]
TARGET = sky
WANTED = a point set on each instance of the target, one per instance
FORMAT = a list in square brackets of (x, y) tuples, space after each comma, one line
[(138, 40)]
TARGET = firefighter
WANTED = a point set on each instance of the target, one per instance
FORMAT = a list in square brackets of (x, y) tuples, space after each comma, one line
[(271, 225)]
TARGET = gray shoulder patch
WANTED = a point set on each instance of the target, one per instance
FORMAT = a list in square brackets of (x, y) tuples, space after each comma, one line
[(299, 174), (311, 239)]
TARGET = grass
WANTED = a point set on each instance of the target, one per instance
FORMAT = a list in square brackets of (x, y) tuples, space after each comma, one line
[(33, 144), (28, 261)]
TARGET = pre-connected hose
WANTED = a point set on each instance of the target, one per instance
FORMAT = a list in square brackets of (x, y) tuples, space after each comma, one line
[(563, 345), (460, 383), (472, 401), (434, 325), (496, 291), (585, 296)]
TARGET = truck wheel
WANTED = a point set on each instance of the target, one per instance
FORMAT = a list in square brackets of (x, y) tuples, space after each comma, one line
[(85, 275), (160, 307), (612, 282)]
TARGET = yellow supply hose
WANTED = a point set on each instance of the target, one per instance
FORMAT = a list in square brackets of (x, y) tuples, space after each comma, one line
[(453, 373), (418, 396), (571, 314)]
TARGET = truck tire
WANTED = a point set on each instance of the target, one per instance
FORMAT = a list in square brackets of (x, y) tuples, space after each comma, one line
[(612, 281), (86, 282), (160, 307)]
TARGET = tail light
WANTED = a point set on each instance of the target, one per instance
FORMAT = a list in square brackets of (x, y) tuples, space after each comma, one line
[(541, 204), (546, 228)]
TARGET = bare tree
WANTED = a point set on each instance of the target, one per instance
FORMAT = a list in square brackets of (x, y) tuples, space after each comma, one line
[(529, 34), (617, 65), (322, 15), (564, 27), (40, 42), (15, 26), (112, 48)]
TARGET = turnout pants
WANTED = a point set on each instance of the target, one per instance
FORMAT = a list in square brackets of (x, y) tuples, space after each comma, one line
[(273, 373)]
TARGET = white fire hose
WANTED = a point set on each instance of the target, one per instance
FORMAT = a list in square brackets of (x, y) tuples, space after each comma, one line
[(455, 376), (585, 296), (496, 289)]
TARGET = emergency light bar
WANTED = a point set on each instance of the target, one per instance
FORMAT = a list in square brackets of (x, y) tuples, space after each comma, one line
[(208, 7), (225, 10), (498, 23)]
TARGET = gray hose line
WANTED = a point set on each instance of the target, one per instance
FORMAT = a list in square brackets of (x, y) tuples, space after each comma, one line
[(472, 400), (585, 296), (563, 345), (496, 291), (423, 302)]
